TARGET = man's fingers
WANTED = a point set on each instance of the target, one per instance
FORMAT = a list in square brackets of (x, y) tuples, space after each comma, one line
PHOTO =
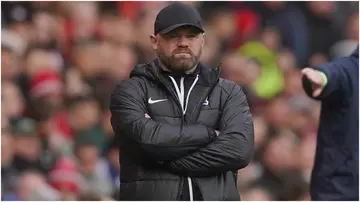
[(313, 76), (307, 71)]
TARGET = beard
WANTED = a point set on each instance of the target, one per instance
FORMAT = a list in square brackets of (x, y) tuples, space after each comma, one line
[(179, 63)]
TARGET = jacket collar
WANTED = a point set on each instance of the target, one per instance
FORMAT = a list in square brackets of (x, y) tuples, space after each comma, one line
[(181, 74), (208, 76)]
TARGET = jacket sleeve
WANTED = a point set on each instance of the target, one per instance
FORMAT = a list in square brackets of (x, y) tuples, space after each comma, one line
[(231, 150), (157, 140), (338, 74)]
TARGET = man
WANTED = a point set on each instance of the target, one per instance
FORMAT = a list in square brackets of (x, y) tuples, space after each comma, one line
[(183, 131), (336, 173)]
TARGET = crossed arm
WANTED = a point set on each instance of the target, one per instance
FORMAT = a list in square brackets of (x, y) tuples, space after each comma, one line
[(159, 141), (191, 150), (231, 150)]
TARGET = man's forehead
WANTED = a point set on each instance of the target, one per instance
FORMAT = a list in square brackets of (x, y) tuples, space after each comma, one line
[(184, 30)]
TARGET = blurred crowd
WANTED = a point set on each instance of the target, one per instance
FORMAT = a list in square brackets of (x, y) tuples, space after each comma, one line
[(61, 60)]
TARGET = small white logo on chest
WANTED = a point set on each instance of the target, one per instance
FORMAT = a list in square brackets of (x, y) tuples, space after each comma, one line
[(206, 102), (150, 101)]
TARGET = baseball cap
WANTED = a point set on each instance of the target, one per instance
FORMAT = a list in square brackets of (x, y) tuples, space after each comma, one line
[(177, 15)]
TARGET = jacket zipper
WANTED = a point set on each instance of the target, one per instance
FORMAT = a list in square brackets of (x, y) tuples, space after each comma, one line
[(186, 105), (199, 105), (180, 106), (181, 96), (176, 100)]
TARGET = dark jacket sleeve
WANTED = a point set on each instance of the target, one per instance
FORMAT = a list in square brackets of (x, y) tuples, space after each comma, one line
[(157, 140), (338, 73), (231, 150)]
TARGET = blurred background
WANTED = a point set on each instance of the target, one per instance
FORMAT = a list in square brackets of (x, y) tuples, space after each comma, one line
[(61, 60)]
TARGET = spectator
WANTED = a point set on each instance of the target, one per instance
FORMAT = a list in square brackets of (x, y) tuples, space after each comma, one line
[(113, 156), (8, 172), (83, 114), (322, 31), (12, 100), (66, 178), (93, 170), (27, 146), (291, 23), (12, 48), (346, 46), (271, 81), (32, 187)]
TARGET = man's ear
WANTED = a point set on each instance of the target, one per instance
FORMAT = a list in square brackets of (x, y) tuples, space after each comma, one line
[(203, 39), (153, 41)]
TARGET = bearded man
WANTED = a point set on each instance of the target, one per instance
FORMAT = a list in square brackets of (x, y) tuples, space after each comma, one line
[(183, 132)]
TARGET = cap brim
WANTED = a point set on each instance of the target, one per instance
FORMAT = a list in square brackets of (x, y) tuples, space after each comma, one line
[(171, 28)]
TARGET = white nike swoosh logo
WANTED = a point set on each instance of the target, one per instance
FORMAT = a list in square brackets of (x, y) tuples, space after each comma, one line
[(150, 101)]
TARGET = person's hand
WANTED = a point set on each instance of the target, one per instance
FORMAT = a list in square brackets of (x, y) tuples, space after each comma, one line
[(217, 132), (317, 80)]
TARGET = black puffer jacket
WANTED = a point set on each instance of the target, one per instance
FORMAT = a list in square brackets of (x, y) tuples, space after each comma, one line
[(176, 152)]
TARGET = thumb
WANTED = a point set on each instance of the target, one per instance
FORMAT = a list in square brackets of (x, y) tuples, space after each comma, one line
[(307, 72), (317, 91)]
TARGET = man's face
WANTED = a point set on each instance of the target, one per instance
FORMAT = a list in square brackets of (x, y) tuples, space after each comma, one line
[(12, 100), (9, 64), (45, 27), (85, 115), (180, 49), (28, 147), (7, 149), (88, 157)]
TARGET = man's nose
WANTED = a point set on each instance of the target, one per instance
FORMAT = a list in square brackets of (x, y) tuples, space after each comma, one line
[(183, 41)]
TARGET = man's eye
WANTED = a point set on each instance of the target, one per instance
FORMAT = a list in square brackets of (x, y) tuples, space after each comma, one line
[(191, 36), (172, 36)]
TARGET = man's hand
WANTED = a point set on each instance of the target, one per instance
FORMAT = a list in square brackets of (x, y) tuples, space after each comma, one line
[(317, 79), (217, 132)]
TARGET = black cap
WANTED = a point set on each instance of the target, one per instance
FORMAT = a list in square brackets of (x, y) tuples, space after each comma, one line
[(177, 15)]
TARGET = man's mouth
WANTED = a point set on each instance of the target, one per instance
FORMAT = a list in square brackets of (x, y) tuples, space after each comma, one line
[(182, 54)]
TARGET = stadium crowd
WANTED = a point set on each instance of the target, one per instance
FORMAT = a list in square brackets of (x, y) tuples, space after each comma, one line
[(61, 60)]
